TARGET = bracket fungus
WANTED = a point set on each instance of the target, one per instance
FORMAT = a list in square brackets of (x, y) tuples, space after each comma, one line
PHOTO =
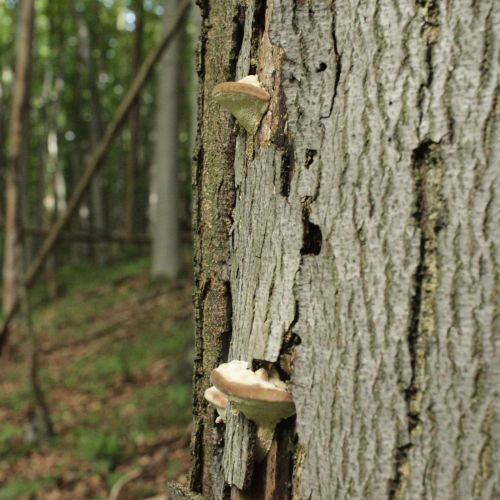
[(260, 396), (219, 400), (245, 99)]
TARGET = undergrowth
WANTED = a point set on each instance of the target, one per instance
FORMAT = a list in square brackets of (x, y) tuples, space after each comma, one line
[(116, 367)]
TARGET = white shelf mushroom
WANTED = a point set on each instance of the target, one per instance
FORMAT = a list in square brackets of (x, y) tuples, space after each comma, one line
[(262, 399), (217, 399)]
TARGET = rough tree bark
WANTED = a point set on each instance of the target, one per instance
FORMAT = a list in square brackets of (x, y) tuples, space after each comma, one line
[(213, 201), (362, 259), (14, 161)]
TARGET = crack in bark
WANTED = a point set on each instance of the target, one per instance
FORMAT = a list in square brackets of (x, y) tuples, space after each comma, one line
[(287, 166), (312, 237), (338, 61), (427, 173), (427, 170), (429, 34)]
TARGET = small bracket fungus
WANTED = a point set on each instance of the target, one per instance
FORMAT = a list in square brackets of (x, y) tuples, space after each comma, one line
[(245, 99), (217, 398), (260, 396)]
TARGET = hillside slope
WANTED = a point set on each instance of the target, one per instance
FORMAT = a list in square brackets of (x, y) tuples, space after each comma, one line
[(116, 350)]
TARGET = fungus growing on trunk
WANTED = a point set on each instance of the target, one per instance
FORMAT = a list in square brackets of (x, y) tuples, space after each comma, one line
[(217, 398), (261, 397), (245, 99)]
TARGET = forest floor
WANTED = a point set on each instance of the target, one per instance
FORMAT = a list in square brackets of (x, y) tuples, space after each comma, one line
[(115, 366)]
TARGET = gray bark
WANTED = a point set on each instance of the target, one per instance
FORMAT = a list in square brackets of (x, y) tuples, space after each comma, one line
[(366, 242), (165, 248)]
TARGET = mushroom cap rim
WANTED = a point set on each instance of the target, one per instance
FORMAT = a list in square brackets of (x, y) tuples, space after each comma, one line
[(247, 391), (216, 397), (241, 88)]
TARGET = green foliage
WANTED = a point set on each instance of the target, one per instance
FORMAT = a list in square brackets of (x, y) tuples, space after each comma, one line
[(62, 104), (24, 488), (122, 361), (63, 101), (15, 401), (172, 469), (114, 394), (8, 433), (161, 404), (88, 279), (95, 445)]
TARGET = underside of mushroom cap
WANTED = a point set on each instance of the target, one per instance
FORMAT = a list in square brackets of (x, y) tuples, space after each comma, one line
[(249, 89), (267, 413), (260, 400), (236, 379), (247, 102), (259, 395)]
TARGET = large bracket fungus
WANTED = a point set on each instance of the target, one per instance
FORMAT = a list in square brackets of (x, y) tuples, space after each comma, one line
[(261, 396), (245, 99)]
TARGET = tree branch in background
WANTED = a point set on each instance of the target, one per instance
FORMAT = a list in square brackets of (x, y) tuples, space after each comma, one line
[(95, 163)]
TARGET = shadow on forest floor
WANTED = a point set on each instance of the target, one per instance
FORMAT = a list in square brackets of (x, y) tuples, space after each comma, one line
[(117, 374)]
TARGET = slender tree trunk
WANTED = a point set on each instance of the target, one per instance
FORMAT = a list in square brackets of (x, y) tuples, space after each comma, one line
[(165, 259), (135, 126), (14, 280), (364, 248), (81, 222), (50, 174), (14, 167), (97, 190), (55, 200)]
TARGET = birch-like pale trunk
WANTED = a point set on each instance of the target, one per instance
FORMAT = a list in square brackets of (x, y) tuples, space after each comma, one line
[(165, 242)]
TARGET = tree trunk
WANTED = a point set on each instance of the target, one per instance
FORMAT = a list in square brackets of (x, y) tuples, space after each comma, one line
[(363, 249), (50, 173), (135, 126), (164, 186), (97, 189), (14, 166)]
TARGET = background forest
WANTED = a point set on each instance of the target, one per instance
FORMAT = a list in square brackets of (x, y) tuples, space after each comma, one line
[(95, 376)]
